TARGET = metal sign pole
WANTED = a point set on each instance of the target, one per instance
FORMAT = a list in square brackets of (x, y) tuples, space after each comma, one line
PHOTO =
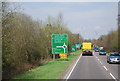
[(53, 57)]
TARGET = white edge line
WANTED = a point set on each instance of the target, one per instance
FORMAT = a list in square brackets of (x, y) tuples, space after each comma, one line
[(73, 67), (112, 76), (105, 68)]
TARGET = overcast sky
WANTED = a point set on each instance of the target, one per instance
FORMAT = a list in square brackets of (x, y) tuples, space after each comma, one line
[(90, 19)]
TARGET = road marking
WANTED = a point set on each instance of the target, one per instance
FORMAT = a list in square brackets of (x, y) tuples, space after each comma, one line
[(101, 62), (74, 67), (105, 68), (98, 59), (112, 76)]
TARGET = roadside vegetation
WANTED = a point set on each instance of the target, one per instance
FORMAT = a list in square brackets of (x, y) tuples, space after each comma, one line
[(50, 69), (110, 41), (26, 43)]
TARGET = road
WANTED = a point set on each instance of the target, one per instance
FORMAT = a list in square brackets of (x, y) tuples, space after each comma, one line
[(93, 67)]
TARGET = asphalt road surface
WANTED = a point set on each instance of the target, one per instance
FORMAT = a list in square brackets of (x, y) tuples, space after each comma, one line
[(93, 67)]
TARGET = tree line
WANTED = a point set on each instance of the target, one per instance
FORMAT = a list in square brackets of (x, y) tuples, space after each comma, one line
[(110, 41), (26, 43)]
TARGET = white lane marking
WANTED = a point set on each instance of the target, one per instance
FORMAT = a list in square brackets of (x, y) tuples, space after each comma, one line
[(101, 62), (98, 59), (105, 68), (112, 76), (73, 67)]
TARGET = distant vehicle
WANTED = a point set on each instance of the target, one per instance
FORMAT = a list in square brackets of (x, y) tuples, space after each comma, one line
[(87, 48), (102, 52), (101, 48), (96, 49), (114, 57)]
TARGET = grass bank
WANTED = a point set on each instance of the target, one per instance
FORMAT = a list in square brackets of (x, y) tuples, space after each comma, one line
[(51, 69)]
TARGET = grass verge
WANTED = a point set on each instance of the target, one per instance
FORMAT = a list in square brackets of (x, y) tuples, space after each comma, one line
[(51, 69)]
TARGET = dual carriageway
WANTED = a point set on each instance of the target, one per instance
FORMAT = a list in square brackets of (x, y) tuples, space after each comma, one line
[(93, 67)]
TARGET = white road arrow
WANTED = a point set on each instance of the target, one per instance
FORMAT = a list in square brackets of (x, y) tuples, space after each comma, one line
[(64, 46)]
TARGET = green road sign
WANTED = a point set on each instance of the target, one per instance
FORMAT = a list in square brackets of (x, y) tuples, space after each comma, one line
[(73, 48), (78, 46), (59, 43)]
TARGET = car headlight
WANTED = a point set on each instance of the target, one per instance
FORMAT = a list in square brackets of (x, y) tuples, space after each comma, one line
[(113, 58)]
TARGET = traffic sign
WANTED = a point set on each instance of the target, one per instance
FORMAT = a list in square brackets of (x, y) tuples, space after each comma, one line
[(59, 43), (73, 48), (63, 56), (78, 46)]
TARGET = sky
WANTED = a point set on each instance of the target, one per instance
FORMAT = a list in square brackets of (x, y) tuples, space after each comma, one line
[(89, 19)]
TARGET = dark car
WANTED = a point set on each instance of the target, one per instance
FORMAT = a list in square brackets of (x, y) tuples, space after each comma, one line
[(102, 52), (96, 50), (114, 57)]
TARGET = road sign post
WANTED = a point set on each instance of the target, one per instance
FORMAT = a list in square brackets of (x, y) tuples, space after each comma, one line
[(53, 56)]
